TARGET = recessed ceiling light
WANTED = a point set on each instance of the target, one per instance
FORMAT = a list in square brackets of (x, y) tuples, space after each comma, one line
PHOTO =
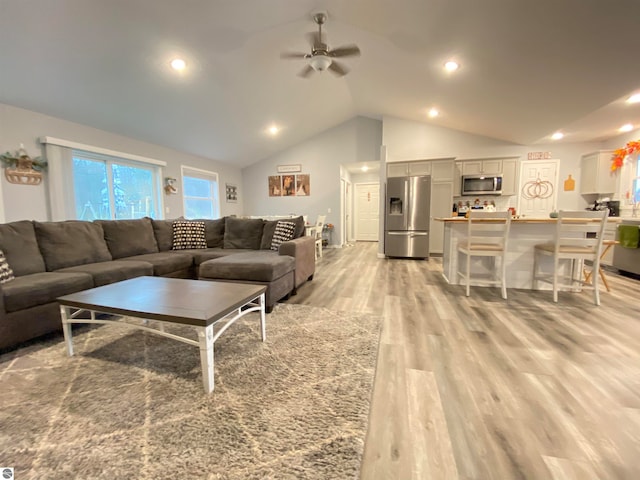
[(626, 128), (273, 130), (178, 64), (364, 168), (434, 112), (451, 66), (635, 98), (557, 136)]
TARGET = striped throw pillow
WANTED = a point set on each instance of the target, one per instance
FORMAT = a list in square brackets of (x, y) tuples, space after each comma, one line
[(6, 273), (188, 235), (284, 232)]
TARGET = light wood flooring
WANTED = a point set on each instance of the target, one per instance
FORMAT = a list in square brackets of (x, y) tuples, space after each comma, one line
[(483, 388)]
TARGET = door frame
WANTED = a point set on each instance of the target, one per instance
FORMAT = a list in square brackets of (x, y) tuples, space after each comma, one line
[(355, 209)]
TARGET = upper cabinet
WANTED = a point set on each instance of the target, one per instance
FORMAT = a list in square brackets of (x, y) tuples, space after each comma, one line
[(402, 169), (595, 173), (478, 167), (397, 169), (509, 176)]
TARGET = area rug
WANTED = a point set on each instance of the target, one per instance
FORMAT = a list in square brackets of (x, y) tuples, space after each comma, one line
[(131, 404)]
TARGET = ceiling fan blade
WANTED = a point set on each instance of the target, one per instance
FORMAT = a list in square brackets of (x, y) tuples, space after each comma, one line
[(337, 69), (306, 71), (313, 38), (345, 51), (292, 55)]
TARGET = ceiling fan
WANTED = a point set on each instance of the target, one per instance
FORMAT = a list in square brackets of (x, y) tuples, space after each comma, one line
[(322, 57)]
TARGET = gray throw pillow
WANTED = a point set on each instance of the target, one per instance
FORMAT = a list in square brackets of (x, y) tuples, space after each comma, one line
[(20, 246), (243, 233), (283, 233), (70, 243), (214, 231), (6, 274), (126, 238), (267, 234), (188, 235)]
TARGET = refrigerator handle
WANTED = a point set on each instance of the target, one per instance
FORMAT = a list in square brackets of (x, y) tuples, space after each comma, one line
[(406, 204)]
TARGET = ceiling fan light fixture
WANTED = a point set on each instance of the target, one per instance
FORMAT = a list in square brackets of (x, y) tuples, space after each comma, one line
[(320, 62)]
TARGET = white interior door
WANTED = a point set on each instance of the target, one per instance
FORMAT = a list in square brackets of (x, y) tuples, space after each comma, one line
[(367, 212), (538, 189)]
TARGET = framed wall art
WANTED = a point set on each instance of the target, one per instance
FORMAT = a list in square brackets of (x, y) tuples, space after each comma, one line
[(275, 186), (232, 193)]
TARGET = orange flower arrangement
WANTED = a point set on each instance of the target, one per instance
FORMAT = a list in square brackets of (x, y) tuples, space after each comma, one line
[(619, 155)]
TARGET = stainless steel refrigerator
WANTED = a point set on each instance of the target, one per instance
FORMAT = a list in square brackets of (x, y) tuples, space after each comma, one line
[(407, 213)]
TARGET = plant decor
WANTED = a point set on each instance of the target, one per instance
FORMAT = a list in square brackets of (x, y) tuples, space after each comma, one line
[(617, 160), (20, 168)]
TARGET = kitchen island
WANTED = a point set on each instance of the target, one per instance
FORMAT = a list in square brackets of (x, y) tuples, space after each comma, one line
[(524, 234)]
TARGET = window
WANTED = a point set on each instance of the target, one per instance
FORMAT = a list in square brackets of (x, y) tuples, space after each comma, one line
[(636, 182), (113, 188), (200, 193)]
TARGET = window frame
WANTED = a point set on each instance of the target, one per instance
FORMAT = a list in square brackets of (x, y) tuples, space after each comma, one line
[(210, 176), (110, 160)]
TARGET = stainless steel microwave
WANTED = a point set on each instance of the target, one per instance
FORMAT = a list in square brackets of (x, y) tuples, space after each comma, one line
[(481, 185)]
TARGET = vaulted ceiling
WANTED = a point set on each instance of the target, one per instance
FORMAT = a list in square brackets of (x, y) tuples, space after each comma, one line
[(528, 68)]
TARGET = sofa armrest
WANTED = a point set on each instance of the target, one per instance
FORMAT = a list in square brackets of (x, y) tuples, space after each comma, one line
[(303, 250)]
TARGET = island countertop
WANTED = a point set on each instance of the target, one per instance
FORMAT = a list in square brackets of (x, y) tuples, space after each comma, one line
[(518, 220)]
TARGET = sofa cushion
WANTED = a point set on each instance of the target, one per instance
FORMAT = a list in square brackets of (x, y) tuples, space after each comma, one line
[(41, 288), (299, 221), (69, 243), (267, 234), (6, 274), (129, 237), (283, 233), (202, 255), (188, 235), (259, 266), (19, 243), (243, 233), (214, 232), (164, 262), (163, 231), (104, 273)]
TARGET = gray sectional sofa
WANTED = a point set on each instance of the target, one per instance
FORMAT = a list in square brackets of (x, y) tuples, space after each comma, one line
[(51, 259)]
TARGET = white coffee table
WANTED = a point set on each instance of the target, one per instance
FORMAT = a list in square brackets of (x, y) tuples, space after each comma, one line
[(150, 303)]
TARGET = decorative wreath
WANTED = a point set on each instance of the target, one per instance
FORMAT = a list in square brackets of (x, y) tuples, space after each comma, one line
[(619, 155)]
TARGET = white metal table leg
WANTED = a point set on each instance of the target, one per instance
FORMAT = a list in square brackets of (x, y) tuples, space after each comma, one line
[(263, 321), (66, 329), (205, 336)]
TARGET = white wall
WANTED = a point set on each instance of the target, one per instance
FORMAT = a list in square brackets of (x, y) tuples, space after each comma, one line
[(407, 140), (31, 202), (357, 140)]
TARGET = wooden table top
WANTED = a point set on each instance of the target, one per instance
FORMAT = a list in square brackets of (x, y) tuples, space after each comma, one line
[(190, 302)]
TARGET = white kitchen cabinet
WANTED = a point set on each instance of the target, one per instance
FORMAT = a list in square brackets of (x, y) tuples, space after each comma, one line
[(442, 171), (457, 179), (609, 234), (420, 168), (478, 167), (441, 206), (510, 176), (400, 169), (595, 173)]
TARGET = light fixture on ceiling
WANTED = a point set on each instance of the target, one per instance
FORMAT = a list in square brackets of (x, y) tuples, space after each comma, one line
[(320, 62), (451, 66), (178, 64), (273, 130), (627, 127), (557, 136), (364, 168), (635, 98), (434, 112)]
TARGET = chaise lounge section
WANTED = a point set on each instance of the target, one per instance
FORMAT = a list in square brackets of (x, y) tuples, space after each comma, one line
[(51, 259)]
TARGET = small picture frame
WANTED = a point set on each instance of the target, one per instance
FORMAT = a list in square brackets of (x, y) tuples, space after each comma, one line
[(232, 193), (289, 168), (275, 185)]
